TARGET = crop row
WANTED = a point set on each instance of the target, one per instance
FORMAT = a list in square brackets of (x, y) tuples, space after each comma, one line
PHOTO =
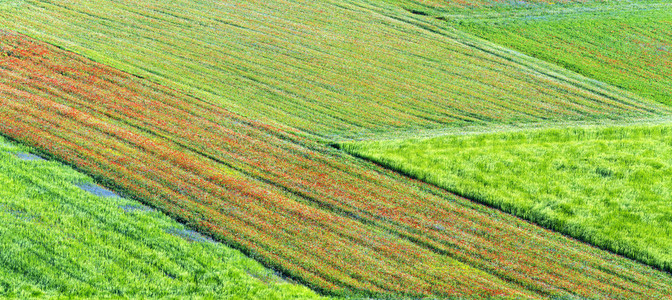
[(340, 225), (493, 7)]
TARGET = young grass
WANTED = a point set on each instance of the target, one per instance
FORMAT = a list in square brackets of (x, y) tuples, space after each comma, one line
[(59, 240), (455, 10), (628, 49), (607, 186)]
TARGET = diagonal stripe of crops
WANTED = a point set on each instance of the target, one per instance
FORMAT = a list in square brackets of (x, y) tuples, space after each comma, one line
[(339, 225)]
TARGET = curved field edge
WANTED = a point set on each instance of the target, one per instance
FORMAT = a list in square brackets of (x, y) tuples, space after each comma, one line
[(58, 240), (338, 224), (604, 185), (502, 10), (328, 68)]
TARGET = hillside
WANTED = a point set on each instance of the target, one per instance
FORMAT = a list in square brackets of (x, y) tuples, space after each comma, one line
[(335, 223), (329, 68), (604, 185), (627, 44), (59, 240), (220, 115)]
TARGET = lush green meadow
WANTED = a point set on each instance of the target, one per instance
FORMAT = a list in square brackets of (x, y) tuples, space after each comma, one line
[(330, 68), (338, 224), (630, 49), (608, 186), (58, 240)]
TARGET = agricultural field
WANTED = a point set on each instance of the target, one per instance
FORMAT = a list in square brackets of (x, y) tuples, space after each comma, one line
[(222, 114), (627, 44), (608, 186), (629, 49), (329, 68), (58, 240), (339, 225)]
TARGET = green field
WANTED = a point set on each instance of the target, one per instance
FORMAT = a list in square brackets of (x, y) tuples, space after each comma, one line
[(609, 186), (628, 49), (219, 114), (627, 44), (476, 6), (338, 224), (330, 68), (58, 240), (451, 10)]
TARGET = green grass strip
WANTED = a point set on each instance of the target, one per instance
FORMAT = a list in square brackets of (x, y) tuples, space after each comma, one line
[(58, 240), (610, 186)]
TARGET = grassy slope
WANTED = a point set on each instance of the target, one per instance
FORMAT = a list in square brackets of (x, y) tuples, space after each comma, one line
[(334, 222), (58, 240), (341, 68), (631, 49), (608, 186), (625, 44), (325, 68)]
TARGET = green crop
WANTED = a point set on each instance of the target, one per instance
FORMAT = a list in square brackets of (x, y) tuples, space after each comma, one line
[(629, 48), (343, 226), (219, 114), (58, 240), (607, 186), (627, 44)]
